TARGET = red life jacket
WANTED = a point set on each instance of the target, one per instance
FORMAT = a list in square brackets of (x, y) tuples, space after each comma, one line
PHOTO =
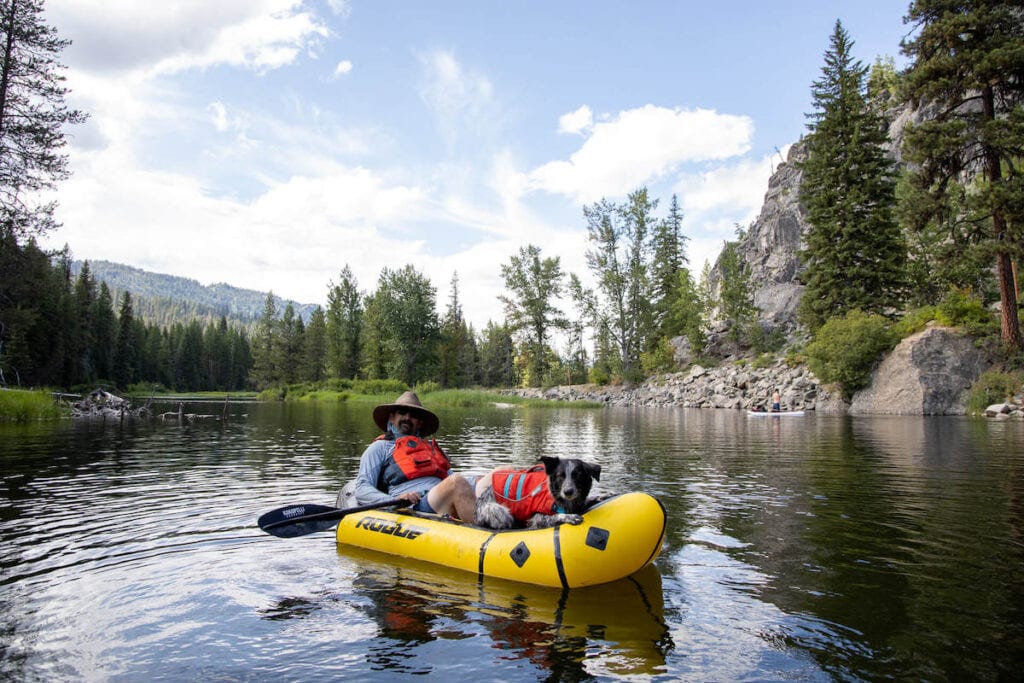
[(524, 492), (413, 457)]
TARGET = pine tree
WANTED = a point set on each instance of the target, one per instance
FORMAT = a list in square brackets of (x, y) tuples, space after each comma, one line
[(315, 347), (497, 353), (241, 359), (668, 260), (968, 66), (126, 354), (105, 329), (33, 115), (188, 357), (455, 347), (854, 253), (288, 346), (736, 300), (264, 370), (85, 298), (155, 357), (373, 337), (689, 313), (344, 326)]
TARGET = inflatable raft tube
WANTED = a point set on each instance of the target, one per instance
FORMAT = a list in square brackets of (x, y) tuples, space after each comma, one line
[(618, 537)]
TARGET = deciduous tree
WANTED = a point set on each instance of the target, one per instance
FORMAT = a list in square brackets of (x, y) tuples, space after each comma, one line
[(620, 260), (402, 328), (534, 283)]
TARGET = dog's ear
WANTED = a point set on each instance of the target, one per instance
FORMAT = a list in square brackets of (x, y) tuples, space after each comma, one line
[(550, 463), (593, 470)]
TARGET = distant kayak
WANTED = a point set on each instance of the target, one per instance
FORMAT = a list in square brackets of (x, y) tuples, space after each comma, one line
[(777, 413)]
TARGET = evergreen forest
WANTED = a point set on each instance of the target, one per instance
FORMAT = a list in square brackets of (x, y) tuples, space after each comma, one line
[(883, 239)]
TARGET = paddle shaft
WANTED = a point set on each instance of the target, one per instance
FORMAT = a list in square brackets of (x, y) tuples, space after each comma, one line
[(299, 520)]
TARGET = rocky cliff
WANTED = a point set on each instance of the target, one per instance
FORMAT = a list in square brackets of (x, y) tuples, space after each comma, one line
[(771, 246), (773, 241), (929, 373)]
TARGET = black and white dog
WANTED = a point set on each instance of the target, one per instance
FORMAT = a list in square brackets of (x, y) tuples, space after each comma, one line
[(546, 494)]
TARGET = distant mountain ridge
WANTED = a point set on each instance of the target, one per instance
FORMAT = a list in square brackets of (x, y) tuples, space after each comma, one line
[(167, 299)]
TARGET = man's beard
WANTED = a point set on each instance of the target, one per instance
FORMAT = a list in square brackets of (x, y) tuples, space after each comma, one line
[(405, 427)]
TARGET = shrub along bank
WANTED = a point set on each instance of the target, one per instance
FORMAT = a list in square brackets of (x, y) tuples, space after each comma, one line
[(18, 405)]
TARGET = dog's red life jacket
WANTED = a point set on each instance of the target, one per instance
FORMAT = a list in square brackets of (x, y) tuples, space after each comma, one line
[(414, 457), (524, 492)]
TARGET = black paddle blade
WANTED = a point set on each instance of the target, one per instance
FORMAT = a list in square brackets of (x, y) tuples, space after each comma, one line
[(294, 520), (308, 518)]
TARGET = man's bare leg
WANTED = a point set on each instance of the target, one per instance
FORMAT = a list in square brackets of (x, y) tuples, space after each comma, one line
[(454, 496)]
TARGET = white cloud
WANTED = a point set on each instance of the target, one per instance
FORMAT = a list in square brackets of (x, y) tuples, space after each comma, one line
[(718, 200), (576, 122), (460, 100), (341, 8), (306, 207), (293, 238), (121, 36), (266, 41), (344, 67), (642, 145), (219, 115), (738, 187)]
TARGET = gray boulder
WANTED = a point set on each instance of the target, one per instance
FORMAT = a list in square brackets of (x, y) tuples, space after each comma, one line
[(928, 373)]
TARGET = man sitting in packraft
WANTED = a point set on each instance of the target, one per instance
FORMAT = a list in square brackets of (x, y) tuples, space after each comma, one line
[(403, 463)]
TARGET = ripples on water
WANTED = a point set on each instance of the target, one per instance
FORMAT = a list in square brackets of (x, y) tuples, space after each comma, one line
[(805, 549)]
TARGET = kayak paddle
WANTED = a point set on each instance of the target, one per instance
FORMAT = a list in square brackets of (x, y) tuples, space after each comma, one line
[(308, 518)]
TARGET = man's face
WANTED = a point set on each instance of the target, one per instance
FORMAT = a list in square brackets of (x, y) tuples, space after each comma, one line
[(405, 422)]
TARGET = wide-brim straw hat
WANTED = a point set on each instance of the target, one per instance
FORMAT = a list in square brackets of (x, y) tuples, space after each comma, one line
[(429, 421)]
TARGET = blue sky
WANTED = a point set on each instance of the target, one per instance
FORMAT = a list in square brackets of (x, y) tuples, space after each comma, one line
[(268, 143)]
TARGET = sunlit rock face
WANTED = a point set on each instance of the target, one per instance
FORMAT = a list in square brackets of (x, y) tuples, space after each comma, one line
[(929, 373)]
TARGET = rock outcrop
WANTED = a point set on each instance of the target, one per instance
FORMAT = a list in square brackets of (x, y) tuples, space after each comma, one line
[(929, 373), (771, 246), (773, 241), (735, 385), (103, 405)]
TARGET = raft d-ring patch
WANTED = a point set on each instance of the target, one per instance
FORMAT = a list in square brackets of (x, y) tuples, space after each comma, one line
[(520, 554), (598, 538)]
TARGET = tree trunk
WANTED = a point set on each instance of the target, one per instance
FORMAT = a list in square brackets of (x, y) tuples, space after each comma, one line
[(1009, 320), (5, 68)]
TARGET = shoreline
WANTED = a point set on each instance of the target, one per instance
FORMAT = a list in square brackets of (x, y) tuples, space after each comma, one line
[(734, 386)]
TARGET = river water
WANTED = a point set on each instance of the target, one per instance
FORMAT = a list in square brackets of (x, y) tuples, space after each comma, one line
[(798, 548)]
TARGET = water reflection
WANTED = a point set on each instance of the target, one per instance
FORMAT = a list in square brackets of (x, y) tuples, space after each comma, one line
[(615, 629), (811, 548)]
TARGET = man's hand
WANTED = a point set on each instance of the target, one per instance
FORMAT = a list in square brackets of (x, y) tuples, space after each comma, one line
[(412, 496)]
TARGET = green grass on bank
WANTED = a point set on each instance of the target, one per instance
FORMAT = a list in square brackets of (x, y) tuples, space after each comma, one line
[(146, 390), (18, 405), (384, 391)]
